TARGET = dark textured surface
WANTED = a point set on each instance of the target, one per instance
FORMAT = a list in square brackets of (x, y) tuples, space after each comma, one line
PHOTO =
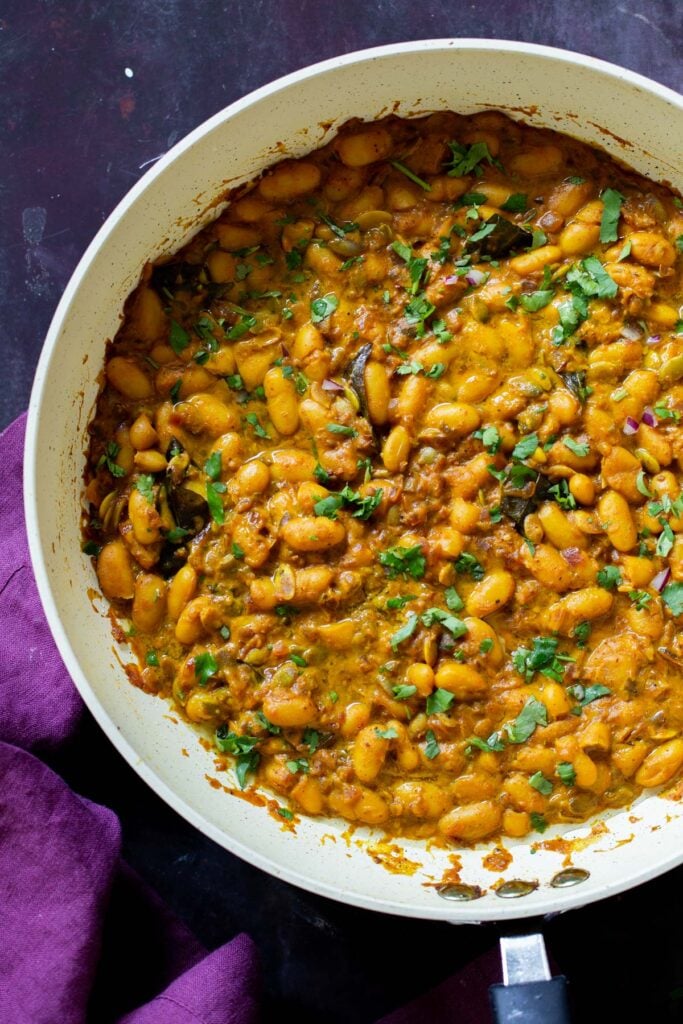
[(76, 133)]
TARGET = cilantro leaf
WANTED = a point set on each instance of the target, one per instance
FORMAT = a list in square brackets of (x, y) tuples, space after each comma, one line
[(611, 213), (468, 564), (466, 159), (404, 562), (405, 632), (111, 450), (565, 773), (516, 203), (541, 657), (205, 666), (178, 338), (145, 485), (536, 300), (609, 577), (532, 714), (538, 781), (453, 600), (672, 595), (493, 745), (404, 691), (525, 447), (242, 749), (456, 627), (400, 602), (490, 438), (439, 700), (432, 748), (386, 734), (580, 449), (340, 428), (323, 307), (215, 503), (212, 466), (253, 420)]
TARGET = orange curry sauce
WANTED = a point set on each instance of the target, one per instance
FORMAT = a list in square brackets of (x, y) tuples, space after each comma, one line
[(386, 474)]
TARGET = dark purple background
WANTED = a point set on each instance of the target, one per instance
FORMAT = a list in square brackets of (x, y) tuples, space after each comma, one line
[(76, 134)]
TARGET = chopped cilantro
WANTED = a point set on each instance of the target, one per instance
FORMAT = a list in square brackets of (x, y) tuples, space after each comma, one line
[(432, 748), (493, 745), (178, 338), (323, 307), (254, 422), (640, 598), (611, 213), (439, 700), (400, 602), (672, 595), (145, 485), (405, 632), (339, 428), (532, 714), (404, 561), (212, 466), (565, 773), (525, 447), (107, 459), (386, 734), (538, 822), (453, 600), (516, 203), (490, 438), (244, 324), (541, 657), (582, 632), (205, 666), (538, 781), (580, 449), (609, 577), (404, 691), (467, 159), (215, 503), (468, 564), (411, 175)]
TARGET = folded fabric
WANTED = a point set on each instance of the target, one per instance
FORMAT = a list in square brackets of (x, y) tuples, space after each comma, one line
[(75, 920)]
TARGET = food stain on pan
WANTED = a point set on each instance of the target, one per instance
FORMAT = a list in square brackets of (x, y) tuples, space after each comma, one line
[(284, 817), (451, 875), (391, 857), (498, 859), (569, 847), (617, 138)]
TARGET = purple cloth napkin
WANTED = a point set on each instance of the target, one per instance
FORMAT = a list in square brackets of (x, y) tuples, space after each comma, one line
[(75, 921)]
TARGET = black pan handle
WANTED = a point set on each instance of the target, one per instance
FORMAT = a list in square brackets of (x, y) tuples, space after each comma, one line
[(528, 995)]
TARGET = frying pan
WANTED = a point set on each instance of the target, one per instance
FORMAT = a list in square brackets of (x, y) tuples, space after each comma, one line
[(635, 120)]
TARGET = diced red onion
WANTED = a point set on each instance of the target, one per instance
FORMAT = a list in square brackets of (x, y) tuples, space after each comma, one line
[(649, 417), (475, 277), (631, 332), (654, 339), (660, 580), (572, 556), (331, 385), (630, 426)]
